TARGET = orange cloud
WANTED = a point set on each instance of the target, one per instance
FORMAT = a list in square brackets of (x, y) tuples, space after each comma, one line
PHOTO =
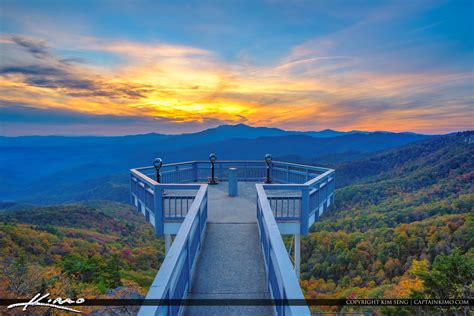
[(186, 84)]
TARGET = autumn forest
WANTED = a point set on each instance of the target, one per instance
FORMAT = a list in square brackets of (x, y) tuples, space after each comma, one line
[(402, 227)]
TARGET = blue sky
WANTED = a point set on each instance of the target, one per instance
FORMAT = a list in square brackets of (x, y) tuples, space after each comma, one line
[(119, 67)]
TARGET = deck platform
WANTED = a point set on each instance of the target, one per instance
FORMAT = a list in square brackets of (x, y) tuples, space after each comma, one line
[(230, 247)]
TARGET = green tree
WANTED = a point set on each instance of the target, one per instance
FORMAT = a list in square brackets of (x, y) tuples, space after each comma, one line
[(112, 272), (73, 265), (451, 276)]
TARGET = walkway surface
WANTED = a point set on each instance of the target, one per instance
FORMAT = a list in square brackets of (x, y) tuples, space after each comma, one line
[(231, 262)]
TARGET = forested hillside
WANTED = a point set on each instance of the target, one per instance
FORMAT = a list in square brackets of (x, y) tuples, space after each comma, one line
[(397, 215), (97, 249)]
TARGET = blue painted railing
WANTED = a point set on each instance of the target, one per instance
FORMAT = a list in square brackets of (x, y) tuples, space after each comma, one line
[(302, 202), (160, 202), (174, 277), (282, 282)]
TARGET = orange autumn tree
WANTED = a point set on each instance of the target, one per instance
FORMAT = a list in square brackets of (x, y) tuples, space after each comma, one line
[(409, 282)]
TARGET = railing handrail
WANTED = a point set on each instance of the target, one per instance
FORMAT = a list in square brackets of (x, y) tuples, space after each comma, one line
[(169, 164), (239, 161), (319, 177), (232, 161), (166, 274), (290, 283), (284, 186), (170, 186), (326, 171), (300, 165), (143, 176)]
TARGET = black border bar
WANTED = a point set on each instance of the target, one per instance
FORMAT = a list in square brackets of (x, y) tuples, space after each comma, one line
[(262, 302)]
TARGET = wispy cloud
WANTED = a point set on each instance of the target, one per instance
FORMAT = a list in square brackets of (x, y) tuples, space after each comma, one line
[(426, 27), (36, 48)]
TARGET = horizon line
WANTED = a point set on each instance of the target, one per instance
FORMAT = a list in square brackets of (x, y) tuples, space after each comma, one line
[(211, 128)]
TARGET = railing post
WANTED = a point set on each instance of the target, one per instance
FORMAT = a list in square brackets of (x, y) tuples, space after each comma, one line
[(326, 194), (268, 252), (297, 255), (206, 199), (158, 196), (272, 176), (167, 243), (132, 200), (200, 222), (304, 211), (190, 263), (319, 199), (333, 187), (195, 171)]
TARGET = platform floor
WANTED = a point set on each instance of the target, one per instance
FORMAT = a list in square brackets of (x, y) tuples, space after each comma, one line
[(231, 262)]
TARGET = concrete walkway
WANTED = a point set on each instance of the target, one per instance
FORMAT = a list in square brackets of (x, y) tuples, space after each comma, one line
[(231, 261)]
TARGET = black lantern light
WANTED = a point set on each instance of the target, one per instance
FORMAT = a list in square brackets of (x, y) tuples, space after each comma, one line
[(212, 159), (268, 160), (157, 163)]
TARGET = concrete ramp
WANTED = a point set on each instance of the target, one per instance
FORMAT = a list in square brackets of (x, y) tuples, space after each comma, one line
[(231, 263)]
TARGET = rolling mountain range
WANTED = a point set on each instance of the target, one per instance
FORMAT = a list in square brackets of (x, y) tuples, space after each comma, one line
[(209, 135), (402, 226), (56, 169)]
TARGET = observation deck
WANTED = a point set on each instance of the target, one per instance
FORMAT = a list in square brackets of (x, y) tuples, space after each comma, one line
[(228, 252)]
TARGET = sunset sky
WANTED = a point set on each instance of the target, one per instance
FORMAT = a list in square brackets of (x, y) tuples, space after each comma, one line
[(130, 67)]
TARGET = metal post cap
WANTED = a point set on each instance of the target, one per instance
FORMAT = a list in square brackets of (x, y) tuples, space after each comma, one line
[(212, 158), (157, 163), (268, 159)]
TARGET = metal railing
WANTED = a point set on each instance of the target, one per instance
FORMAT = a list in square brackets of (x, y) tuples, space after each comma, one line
[(175, 207), (282, 281), (299, 192), (286, 172), (304, 202), (160, 202), (249, 170), (293, 202), (174, 277), (285, 208)]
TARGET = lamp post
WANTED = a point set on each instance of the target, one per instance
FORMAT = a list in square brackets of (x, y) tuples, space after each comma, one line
[(268, 160), (212, 159), (157, 163)]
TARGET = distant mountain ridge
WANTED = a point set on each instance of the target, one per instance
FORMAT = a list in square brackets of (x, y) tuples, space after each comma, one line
[(246, 131), (56, 169), (303, 145), (220, 132)]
